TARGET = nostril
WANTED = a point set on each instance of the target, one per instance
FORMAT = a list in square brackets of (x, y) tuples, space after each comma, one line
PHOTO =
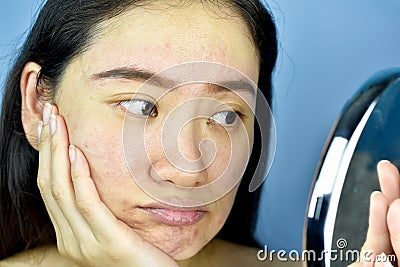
[(163, 171), (195, 184)]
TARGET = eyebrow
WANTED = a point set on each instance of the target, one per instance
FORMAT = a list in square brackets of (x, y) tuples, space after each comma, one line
[(136, 74)]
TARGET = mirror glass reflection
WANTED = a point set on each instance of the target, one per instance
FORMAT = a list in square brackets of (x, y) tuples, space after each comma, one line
[(367, 131)]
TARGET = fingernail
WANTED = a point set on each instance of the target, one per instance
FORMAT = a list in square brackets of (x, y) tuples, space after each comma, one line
[(39, 129), (382, 162), (375, 193), (46, 113), (53, 124), (72, 154)]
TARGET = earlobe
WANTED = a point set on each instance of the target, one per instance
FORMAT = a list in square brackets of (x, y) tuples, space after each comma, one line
[(31, 106)]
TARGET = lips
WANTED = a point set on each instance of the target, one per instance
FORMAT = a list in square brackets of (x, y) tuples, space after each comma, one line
[(175, 217)]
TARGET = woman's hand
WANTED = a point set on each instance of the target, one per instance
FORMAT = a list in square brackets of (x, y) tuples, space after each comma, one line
[(383, 237), (87, 231)]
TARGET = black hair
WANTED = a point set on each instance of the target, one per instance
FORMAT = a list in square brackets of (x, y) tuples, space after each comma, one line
[(62, 31)]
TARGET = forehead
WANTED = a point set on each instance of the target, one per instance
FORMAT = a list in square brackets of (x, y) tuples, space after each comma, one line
[(157, 37)]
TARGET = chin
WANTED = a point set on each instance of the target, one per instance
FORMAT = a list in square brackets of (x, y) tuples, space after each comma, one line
[(184, 255), (178, 243), (182, 251)]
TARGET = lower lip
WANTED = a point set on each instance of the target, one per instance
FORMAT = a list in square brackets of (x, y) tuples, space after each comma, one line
[(175, 217)]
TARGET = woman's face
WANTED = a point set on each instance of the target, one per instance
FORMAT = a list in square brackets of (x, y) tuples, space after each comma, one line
[(94, 101)]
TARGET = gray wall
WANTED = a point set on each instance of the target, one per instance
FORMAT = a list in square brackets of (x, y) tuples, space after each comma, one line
[(15, 18), (328, 49)]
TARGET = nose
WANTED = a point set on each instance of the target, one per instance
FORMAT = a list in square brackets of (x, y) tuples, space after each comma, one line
[(182, 162)]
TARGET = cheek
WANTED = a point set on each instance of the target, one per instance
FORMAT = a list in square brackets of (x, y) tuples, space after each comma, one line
[(100, 144), (231, 158), (100, 140), (222, 213)]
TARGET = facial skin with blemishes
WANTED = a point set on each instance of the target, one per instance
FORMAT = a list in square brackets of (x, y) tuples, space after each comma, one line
[(154, 39)]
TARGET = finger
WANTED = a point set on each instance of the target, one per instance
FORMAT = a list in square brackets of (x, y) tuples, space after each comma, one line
[(379, 264), (42, 185), (44, 173), (54, 110), (61, 182), (378, 239), (44, 169), (393, 220), (44, 149), (389, 180), (94, 211), (383, 260)]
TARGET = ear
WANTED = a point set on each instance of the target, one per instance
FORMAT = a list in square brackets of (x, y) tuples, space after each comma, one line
[(31, 106)]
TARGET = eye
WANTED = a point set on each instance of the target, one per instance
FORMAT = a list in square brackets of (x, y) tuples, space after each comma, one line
[(140, 107), (224, 118)]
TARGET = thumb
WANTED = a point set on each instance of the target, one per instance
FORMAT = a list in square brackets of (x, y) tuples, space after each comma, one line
[(393, 221), (378, 238)]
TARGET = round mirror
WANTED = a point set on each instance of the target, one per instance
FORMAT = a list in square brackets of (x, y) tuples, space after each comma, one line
[(367, 131)]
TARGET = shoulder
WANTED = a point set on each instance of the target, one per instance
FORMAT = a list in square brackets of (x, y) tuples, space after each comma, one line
[(229, 254), (46, 256)]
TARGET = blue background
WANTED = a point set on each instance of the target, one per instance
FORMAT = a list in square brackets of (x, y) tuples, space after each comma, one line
[(327, 50)]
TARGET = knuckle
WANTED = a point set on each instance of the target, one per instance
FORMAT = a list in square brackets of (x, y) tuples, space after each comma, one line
[(71, 256), (41, 182), (113, 258), (42, 144), (43, 136), (76, 176), (85, 207), (62, 250), (112, 255), (93, 251), (69, 252), (88, 251), (54, 147), (57, 192)]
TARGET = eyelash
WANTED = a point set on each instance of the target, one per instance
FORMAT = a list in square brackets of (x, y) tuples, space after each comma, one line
[(238, 115), (154, 110)]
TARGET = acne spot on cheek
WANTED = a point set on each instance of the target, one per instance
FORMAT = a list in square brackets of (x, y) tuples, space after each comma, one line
[(86, 145), (74, 127), (222, 51), (125, 202)]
